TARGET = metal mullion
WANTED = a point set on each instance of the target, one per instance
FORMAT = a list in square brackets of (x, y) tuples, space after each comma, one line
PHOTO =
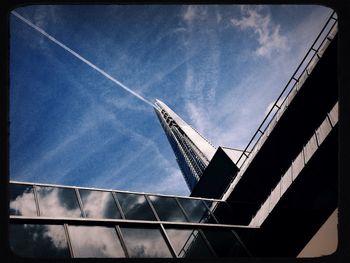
[(329, 120), (317, 142), (109, 222), (105, 190), (118, 205), (80, 202), (188, 244), (241, 242), (152, 208), (210, 213), (182, 209), (207, 242), (121, 238), (66, 230), (167, 240), (36, 200)]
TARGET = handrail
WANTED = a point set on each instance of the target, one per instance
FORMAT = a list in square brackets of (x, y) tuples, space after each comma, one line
[(247, 152)]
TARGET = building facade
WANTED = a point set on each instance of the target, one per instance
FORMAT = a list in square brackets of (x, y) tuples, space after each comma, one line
[(193, 152)]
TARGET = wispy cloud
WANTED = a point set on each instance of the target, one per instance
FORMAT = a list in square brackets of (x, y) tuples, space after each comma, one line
[(193, 12), (268, 34), (111, 141), (173, 183)]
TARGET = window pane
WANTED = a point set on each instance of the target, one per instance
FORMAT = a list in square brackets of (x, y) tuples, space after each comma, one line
[(224, 243), (60, 202), (188, 243), (22, 200), (195, 209), (135, 206), (45, 241), (167, 208), (98, 204), (145, 242), (95, 241)]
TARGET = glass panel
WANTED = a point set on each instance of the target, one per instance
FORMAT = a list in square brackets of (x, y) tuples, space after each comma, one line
[(95, 241), (223, 213), (98, 204), (60, 202), (195, 209), (46, 241), (135, 206), (224, 243), (188, 243), (145, 242), (22, 200), (167, 208)]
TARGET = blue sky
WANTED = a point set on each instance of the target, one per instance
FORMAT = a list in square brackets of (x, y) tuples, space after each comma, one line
[(218, 67)]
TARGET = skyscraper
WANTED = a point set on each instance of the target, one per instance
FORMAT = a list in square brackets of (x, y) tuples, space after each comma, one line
[(193, 152)]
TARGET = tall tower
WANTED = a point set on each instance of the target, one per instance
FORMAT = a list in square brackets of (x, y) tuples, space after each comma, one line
[(193, 152)]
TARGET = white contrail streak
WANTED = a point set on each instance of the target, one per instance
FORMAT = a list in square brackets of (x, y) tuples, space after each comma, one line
[(81, 58)]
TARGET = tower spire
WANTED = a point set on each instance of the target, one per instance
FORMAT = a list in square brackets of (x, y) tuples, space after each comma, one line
[(193, 152)]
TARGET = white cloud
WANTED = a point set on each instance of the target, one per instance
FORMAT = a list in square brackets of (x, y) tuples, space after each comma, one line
[(24, 204), (193, 12), (269, 37), (218, 17)]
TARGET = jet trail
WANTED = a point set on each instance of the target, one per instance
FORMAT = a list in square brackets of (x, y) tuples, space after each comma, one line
[(81, 58)]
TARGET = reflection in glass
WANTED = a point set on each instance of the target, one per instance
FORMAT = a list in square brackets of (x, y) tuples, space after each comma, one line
[(45, 241), (188, 243), (95, 241), (135, 206), (167, 208), (98, 204), (22, 200), (145, 242), (224, 243), (195, 209), (60, 202)]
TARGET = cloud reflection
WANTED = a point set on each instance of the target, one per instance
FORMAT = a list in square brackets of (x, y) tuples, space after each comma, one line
[(46, 241), (23, 204), (58, 202), (145, 243), (98, 204), (95, 241)]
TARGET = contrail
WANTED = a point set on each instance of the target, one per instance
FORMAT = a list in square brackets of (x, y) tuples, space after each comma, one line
[(81, 58)]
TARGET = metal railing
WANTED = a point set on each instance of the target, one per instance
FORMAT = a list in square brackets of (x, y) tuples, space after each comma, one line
[(305, 67)]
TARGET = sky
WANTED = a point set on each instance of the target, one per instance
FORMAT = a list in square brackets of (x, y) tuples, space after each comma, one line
[(219, 67)]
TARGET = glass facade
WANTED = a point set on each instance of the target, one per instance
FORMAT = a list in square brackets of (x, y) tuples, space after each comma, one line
[(167, 209), (22, 200), (145, 242), (99, 204), (39, 241), (195, 210), (58, 202), (189, 243), (95, 241), (61, 222), (135, 206)]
